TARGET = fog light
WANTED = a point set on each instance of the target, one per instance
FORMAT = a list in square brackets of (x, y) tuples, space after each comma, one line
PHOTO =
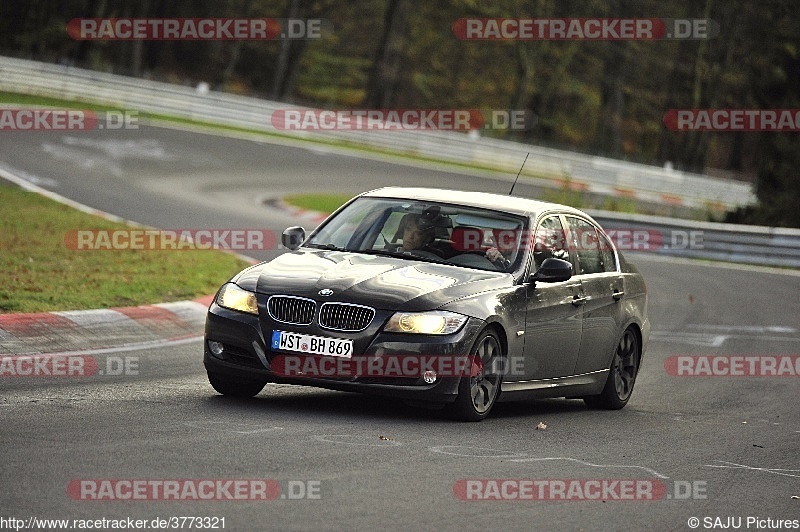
[(429, 377), (216, 348)]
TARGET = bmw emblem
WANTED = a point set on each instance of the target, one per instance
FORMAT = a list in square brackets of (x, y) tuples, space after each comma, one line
[(326, 292)]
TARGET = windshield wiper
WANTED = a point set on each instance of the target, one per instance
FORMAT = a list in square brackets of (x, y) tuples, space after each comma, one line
[(384, 252), (330, 247), (399, 254)]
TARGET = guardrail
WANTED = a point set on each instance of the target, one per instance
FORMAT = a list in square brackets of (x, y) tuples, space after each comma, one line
[(593, 174), (747, 244), (705, 240)]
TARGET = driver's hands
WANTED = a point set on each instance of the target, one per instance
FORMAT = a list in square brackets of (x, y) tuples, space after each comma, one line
[(493, 254), (497, 258)]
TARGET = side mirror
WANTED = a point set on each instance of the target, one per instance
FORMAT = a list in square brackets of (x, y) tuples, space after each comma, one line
[(292, 237), (553, 271)]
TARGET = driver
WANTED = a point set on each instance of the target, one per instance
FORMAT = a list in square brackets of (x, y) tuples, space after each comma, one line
[(417, 234)]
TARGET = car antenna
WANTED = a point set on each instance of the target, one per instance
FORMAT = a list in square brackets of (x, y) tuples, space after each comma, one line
[(520, 171)]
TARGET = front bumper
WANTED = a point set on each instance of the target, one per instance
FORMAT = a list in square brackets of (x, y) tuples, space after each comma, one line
[(247, 355)]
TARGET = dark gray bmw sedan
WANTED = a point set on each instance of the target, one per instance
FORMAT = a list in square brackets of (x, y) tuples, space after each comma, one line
[(459, 299)]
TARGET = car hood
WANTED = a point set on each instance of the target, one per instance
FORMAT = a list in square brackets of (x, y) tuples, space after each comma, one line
[(380, 282)]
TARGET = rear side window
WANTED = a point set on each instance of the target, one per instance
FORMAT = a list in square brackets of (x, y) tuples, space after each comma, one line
[(607, 251), (586, 242)]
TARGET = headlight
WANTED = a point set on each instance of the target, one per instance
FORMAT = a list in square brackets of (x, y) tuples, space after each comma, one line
[(234, 298), (433, 322)]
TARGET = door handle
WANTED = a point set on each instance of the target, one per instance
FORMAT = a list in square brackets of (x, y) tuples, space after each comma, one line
[(618, 295), (578, 301)]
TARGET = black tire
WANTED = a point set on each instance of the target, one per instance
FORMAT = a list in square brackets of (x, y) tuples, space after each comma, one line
[(621, 376), (478, 391), (235, 387)]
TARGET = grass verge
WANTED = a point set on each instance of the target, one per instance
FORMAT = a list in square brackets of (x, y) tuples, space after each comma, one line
[(326, 203), (41, 274)]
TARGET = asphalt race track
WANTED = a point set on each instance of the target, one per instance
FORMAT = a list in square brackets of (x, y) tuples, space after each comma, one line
[(721, 447)]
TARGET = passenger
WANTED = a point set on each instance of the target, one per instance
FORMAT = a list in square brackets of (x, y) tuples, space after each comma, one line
[(472, 240)]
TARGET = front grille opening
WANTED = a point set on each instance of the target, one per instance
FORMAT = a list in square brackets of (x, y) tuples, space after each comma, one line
[(345, 316), (291, 309)]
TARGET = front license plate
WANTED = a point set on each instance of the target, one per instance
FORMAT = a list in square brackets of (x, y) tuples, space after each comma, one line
[(313, 345)]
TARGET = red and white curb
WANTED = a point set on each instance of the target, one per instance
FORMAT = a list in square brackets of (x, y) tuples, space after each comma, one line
[(103, 330)]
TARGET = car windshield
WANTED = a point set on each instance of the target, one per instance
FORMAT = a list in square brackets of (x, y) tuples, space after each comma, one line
[(418, 230)]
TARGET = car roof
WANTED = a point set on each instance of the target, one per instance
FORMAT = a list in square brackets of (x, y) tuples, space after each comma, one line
[(499, 202)]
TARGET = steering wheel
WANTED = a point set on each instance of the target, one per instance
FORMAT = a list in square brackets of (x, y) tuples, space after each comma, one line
[(424, 254), (393, 247), (502, 263)]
